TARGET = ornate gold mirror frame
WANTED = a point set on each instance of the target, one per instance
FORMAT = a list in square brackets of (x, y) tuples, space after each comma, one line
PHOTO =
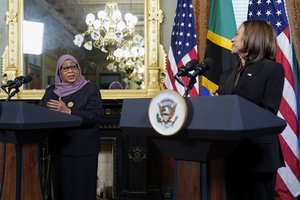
[(155, 56)]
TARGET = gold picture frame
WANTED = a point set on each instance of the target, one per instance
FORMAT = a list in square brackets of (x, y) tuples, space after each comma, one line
[(155, 56)]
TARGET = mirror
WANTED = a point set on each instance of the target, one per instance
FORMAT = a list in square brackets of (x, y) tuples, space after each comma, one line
[(59, 22)]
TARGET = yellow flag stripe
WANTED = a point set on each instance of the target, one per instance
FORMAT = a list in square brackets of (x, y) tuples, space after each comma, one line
[(219, 40), (209, 85)]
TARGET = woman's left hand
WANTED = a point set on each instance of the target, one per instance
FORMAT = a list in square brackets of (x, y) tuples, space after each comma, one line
[(58, 105)]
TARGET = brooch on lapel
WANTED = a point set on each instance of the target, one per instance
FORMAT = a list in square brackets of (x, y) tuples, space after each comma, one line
[(249, 74), (70, 104)]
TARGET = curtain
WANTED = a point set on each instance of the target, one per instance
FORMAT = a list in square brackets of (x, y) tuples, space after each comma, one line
[(293, 7), (201, 9)]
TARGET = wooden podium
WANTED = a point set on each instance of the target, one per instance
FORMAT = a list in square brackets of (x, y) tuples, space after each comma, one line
[(23, 127), (214, 127)]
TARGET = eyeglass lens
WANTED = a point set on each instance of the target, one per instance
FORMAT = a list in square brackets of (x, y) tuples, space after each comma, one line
[(66, 68)]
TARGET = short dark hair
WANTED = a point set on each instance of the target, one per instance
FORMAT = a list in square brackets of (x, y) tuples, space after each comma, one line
[(259, 41)]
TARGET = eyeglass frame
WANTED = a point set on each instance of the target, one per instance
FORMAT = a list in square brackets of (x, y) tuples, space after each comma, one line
[(66, 68)]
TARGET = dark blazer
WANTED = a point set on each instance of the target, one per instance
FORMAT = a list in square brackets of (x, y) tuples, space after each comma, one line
[(84, 140), (261, 83)]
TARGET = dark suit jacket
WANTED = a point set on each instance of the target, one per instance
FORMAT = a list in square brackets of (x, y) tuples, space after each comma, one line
[(261, 83), (87, 104)]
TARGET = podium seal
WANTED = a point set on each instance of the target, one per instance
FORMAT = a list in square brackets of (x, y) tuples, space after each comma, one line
[(167, 112)]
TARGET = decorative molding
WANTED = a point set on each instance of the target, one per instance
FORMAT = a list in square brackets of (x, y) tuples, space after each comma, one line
[(11, 17), (156, 15), (4, 62), (162, 64), (137, 154), (14, 16)]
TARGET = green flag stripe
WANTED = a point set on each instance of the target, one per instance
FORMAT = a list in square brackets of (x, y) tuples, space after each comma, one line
[(221, 18), (219, 40)]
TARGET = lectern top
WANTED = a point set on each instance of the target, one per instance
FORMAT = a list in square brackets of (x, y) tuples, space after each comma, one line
[(24, 116), (226, 117)]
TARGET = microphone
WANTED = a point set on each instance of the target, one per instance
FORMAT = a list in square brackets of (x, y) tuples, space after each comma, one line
[(184, 70), (179, 80), (17, 82), (203, 67)]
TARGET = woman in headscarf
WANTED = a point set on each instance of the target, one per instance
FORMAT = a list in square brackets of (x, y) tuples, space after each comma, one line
[(74, 151)]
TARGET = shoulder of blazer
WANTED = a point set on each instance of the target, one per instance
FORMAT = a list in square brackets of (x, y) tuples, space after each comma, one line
[(50, 90), (273, 67), (50, 87), (90, 87), (268, 63)]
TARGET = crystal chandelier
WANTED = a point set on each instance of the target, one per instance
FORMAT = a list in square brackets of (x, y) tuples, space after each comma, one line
[(117, 37)]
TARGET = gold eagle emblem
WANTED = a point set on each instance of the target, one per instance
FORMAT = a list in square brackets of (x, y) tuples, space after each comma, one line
[(167, 109)]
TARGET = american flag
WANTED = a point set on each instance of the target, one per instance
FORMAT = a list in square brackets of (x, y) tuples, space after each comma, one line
[(287, 183), (183, 46)]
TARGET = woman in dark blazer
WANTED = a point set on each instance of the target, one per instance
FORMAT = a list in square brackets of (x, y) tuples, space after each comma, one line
[(250, 172), (74, 151)]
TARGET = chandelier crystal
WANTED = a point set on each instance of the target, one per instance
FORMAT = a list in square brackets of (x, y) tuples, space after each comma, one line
[(116, 36)]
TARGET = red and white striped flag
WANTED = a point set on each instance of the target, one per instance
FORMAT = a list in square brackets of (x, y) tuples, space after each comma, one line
[(183, 46), (288, 177)]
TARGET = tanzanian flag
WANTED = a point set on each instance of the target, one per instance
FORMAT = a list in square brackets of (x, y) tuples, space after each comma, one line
[(221, 29)]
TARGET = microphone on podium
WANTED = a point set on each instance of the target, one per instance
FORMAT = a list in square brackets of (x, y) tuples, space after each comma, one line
[(184, 70), (193, 69), (15, 84), (18, 82), (203, 66)]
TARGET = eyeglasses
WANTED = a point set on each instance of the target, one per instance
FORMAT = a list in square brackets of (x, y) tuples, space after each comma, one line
[(65, 68)]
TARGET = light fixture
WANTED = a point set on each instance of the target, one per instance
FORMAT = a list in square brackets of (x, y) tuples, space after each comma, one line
[(117, 37), (33, 31)]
